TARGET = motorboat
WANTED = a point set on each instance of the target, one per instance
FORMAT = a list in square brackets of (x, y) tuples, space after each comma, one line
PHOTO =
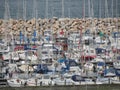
[(116, 64), (46, 80), (4, 48), (6, 56), (88, 53), (88, 66), (21, 55), (14, 56), (16, 82), (31, 82), (63, 81), (43, 80)]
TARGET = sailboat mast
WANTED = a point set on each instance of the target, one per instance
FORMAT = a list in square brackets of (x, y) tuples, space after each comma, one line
[(6, 18), (47, 9), (99, 8), (106, 9), (83, 9), (24, 10), (112, 8), (18, 8), (69, 12), (7, 11), (89, 8), (116, 9), (62, 8)]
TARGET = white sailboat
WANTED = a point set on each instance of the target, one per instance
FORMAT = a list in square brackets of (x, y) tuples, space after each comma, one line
[(16, 82)]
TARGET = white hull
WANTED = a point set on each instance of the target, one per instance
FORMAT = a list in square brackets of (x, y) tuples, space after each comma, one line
[(15, 83)]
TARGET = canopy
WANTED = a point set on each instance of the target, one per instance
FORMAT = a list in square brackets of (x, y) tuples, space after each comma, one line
[(117, 72), (109, 72), (101, 63), (61, 60), (77, 78), (26, 68), (101, 34), (34, 33)]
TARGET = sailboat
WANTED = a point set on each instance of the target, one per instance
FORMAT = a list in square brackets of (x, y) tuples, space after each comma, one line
[(15, 81)]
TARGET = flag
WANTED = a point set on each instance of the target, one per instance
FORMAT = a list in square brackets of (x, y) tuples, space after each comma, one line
[(61, 32)]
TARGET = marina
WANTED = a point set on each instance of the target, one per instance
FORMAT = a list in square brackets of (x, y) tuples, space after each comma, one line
[(60, 53), (74, 57)]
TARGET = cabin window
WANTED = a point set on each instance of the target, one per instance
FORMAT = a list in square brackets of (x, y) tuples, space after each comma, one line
[(46, 77), (87, 51), (92, 51)]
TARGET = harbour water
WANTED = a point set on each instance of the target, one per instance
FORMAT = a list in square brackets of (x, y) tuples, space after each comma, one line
[(53, 8), (87, 87)]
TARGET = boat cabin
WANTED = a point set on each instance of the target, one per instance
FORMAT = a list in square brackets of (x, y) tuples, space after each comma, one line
[(62, 41)]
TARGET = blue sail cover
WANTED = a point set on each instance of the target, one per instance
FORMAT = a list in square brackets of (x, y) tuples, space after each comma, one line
[(116, 34), (28, 40), (61, 60), (34, 33), (71, 62), (42, 68), (34, 36), (87, 32), (25, 39), (68, 63), (47, 38), (77, 78), (63, 69), (100, 50), (110, 70), (117, 72), (21, 36), (34, 39), (26, 47), (101, 63)]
